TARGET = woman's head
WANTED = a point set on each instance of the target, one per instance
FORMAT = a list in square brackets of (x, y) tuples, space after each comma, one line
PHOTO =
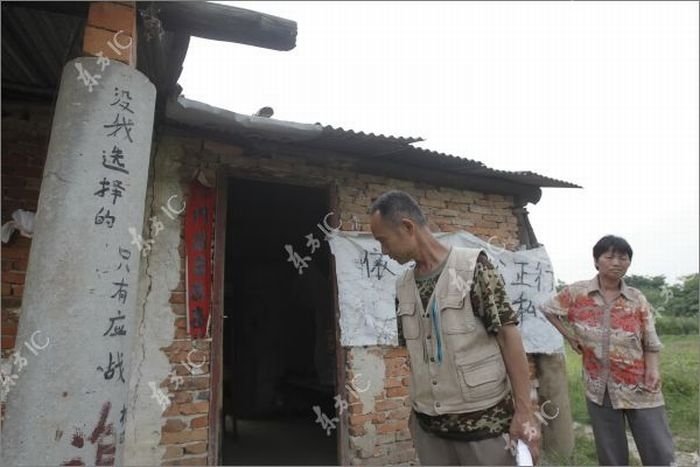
[(612, 256)]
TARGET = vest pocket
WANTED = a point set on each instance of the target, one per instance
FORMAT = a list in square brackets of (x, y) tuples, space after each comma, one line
[(454, 319), (481, 379), (409, 324)]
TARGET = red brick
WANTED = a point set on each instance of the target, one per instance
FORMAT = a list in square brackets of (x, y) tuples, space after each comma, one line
[(172, 452), (14, 251), (194, 408), (199, 422), (392, 427), (20, 264), (112, 17), (17, 290), (6, 289), (397, 392), (13, 277), (196, 448), (393, 383), (8, 342), (378, 418), (11, 302), (184, 436), (359, 419), (172, 425), (96, 40), (399, 414), (177, 297), (382, 406), (396, 352), (182, 397), (190, 461)]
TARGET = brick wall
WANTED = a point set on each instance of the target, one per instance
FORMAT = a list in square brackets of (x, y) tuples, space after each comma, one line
[(25, 135), (379, 436), (376, 436)]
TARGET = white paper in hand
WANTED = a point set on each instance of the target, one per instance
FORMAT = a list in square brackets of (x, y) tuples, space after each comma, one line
[(522, 455)]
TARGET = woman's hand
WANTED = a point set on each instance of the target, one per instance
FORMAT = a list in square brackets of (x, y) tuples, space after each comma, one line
[(652, 378)]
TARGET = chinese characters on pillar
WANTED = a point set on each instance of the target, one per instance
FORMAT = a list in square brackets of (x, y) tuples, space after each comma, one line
[(114, 158), (115, 328), (199, 218)]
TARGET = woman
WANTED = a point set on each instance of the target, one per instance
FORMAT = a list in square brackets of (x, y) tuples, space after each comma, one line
[(612, 326)]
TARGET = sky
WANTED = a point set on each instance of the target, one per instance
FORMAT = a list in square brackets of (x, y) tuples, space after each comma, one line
[(601, 94)]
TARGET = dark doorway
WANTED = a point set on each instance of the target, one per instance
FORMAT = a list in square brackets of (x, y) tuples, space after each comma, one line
[(279, 336)]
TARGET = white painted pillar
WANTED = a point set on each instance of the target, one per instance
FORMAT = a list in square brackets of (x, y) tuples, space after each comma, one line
[(82, 280)]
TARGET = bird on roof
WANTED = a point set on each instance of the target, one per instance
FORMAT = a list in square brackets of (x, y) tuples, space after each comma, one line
[(265, 112)]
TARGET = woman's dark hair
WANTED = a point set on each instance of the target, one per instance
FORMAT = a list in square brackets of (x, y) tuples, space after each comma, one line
[(618, 245)]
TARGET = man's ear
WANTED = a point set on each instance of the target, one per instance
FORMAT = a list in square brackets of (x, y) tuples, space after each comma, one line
[(409, 225)]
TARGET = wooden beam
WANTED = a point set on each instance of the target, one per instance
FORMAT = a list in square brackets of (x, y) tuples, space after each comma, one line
[(201, 19), (227, 23)]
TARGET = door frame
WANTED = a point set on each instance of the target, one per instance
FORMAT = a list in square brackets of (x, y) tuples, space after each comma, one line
[(223, 177)]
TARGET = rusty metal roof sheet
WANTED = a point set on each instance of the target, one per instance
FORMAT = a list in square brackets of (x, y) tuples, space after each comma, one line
[(392, 149)]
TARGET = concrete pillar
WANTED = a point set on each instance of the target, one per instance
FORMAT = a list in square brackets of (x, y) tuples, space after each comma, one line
[(558, 433), (66, 407)]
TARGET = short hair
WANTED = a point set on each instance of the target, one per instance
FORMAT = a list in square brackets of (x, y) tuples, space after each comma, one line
[(395, 205), (618, 245)]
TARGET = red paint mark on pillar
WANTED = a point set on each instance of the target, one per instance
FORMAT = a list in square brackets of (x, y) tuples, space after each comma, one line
[(78, 439), (100, 428), (75, 461)]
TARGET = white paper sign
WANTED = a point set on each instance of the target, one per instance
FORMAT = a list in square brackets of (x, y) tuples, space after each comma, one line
[(367, 281)]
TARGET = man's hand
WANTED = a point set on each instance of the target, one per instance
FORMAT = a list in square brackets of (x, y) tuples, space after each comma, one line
[(525, 427)]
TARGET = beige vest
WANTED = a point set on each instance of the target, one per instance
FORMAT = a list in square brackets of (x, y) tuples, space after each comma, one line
[(472, 375)]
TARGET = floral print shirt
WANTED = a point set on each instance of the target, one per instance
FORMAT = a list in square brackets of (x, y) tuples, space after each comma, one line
[(614, 337)]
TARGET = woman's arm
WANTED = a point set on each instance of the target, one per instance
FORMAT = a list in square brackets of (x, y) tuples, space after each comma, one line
[(568, 335)]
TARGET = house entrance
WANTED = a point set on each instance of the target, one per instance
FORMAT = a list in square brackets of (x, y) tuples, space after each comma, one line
[(279, 332)]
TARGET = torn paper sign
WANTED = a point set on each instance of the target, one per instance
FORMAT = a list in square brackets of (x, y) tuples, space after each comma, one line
[(367, 289)]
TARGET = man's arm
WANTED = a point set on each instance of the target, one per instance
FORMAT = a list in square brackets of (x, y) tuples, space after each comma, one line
[(523, 425), (490, 302)]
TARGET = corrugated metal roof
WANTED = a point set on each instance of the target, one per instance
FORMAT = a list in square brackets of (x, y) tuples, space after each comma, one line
[(341, 132), (390, 149), (35, 46)]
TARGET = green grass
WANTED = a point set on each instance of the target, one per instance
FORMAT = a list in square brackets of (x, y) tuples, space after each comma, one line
[(680, 374)]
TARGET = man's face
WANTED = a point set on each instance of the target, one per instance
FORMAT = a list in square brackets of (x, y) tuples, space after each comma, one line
[(398, 242), (613, 264)]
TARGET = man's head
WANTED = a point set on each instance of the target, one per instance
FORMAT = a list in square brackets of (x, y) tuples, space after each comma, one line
[(612, 256), (397, 221)]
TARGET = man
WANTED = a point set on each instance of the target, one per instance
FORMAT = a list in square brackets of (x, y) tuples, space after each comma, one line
[(612, 326), (462, 341)]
